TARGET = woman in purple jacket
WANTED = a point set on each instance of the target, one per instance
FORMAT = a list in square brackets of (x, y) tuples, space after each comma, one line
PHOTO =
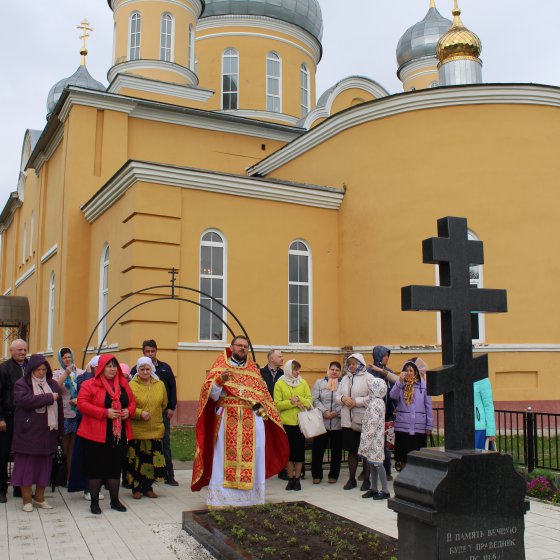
[(38, 422), (414, 419)]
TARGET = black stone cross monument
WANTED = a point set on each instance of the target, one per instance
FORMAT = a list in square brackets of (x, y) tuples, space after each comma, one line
[(458, 503)]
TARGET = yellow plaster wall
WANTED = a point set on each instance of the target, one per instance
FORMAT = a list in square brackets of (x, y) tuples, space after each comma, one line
[(350, 98), (422, 78)]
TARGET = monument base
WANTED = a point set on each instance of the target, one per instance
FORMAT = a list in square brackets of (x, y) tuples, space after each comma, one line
[(460, 505)]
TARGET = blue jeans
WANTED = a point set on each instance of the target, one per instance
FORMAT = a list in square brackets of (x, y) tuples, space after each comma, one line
[(167, 447)]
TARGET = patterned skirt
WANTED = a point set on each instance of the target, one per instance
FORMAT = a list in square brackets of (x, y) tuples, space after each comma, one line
[(145, 464)]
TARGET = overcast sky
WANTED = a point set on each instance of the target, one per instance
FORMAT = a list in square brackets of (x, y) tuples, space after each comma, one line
[(519, 37)]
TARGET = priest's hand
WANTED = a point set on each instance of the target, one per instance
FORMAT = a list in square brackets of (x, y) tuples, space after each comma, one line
[(225, 376)]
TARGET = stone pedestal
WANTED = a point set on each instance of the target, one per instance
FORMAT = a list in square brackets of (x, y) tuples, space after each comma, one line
[(467, 505)]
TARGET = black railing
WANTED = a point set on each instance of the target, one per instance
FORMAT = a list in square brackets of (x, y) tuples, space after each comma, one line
[(531, 438)]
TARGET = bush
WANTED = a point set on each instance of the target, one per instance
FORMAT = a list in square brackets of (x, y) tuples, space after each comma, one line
[(540, 487), (556, 497)]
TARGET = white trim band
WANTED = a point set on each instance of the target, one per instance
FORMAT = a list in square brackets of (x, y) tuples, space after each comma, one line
[(149, 64), (25, 276), (7, 292), (50, 253), (265, 115)]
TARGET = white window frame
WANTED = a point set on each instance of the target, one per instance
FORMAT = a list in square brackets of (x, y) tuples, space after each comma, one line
[(223, 277), (309, 284), (133, 45), (480, 283), (31, 227), (305, 89), (103, 292), (166, 37), (230, 53), (274, 56), (24, 244), (50, 321), (191, 47)]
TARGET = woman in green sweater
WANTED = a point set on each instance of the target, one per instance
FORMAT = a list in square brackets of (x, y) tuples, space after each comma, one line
[(145, 459), (292, 395)]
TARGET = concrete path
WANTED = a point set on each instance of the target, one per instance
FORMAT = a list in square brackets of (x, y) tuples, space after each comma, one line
[(70, 531)]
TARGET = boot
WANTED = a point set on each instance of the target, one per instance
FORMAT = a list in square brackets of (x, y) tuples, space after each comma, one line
[(291, 483), (297, 484)]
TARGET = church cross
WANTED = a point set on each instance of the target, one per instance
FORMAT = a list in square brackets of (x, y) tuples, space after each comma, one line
[(84, 27), (173, 273), (457, 300)]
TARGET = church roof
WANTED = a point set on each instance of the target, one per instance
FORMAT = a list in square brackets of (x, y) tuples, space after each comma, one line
[(303, 13)]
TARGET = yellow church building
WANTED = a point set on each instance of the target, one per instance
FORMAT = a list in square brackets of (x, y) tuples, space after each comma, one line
[(208, 153)]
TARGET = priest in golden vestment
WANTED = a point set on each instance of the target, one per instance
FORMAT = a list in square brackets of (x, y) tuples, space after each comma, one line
[(240, 440)]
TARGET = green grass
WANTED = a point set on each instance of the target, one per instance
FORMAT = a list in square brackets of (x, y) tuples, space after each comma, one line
[(182, 443)]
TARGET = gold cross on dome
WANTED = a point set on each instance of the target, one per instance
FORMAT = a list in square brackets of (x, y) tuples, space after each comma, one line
[(84, 27)]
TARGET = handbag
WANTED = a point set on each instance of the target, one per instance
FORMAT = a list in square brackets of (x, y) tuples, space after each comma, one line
[(390, 435), (311, 423), (356, 425), (59, 472)]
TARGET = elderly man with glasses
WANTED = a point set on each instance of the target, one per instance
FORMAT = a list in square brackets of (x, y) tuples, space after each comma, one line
[(240, 440)]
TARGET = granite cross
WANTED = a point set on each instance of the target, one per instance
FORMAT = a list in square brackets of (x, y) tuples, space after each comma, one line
[(457, 300)]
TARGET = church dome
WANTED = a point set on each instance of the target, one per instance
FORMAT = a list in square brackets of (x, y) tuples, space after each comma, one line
[(81, 78), (303, 13), (422, 38), (458, 42)]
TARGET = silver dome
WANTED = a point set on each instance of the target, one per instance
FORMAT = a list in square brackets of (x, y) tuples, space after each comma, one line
[(304, 13), (421, 39), (80, 78)]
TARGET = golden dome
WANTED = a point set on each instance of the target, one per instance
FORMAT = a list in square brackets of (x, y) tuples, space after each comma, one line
[(458, 42)]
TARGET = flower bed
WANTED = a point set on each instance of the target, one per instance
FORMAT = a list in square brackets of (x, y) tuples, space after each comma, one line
[(287, 530), (543, 485)]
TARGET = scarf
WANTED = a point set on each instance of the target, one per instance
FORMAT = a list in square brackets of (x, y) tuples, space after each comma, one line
[(332, 384), (115, 394), (288, 378), (41, 387), (146, 361)]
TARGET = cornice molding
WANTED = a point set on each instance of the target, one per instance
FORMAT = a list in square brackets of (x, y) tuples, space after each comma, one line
[(413, 66), (264, 115), (139, 83), (193, 6), (7, 292), (49, 253), (25, 276), (149, 64), (261, 22), (187, 178), (46, 154), (432, 98), (8, 213)]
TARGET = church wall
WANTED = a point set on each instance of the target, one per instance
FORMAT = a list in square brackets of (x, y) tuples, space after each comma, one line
[(488, 163), (350, 98)]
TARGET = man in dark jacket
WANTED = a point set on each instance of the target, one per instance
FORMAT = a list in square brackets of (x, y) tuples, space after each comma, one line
[(272, 372), (165, 373), (10, 371), (381, 356)]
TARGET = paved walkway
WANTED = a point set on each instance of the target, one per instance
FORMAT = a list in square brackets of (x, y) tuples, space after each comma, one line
[(71, 532)]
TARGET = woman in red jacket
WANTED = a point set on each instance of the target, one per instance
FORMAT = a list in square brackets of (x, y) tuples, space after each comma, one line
[(107, 404)]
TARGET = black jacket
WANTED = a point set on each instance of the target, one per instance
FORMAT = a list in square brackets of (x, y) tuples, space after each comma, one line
[(165, 373), (269, 380), (10, 372)]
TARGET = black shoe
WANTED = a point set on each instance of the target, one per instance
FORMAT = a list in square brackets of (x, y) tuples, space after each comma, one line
[(382, 496), (369, 494), (283, 475), (3, 498), (291, 484), (398, 466), (95, 509), (389, 478), (17, 492), (118, 506), (297, 484), (171, 482), (350, 485), (365, 485), (126, 485)]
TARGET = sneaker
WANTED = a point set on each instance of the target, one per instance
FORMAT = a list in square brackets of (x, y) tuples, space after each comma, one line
[(316, 481), (369, 494), (297, 485), (27, 507), (350, 485), (382, 496), (365, 485), (87, 496), (42, 505)]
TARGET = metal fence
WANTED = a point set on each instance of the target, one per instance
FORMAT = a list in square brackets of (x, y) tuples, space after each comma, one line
[(530, 437)]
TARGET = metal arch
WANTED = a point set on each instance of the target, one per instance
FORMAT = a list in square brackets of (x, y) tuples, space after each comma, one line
[(165, 298)]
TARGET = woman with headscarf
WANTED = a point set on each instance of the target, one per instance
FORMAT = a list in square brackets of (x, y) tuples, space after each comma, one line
[(38, 422), (324, 392), (292, 395), (145, 462), (414, 417), (106, 404), (353, 393), (67, 379)]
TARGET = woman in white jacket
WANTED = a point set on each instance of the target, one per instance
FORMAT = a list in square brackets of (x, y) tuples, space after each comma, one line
[(354, 392)]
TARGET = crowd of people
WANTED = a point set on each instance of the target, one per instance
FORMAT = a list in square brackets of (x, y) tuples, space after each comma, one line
[(113, 425)]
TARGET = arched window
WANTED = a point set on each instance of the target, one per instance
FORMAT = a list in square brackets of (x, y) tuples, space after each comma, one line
[(191, 47), (166, 38), (273, 83), (230, 79), (24, 244), (305, 90), (299, 297), (134, 36), (477, 319), (50, 323), (213, 283), (103, 291), (31, 227)]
